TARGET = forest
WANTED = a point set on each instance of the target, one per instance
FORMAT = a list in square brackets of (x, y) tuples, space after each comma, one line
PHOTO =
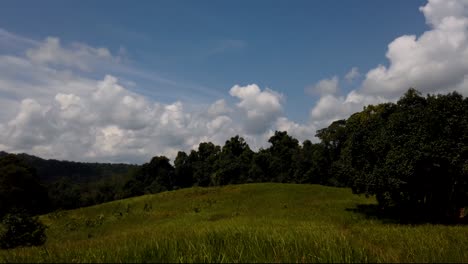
[(411, 155)]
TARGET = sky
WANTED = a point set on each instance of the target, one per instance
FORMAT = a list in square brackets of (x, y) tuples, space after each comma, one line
[(121, 81)]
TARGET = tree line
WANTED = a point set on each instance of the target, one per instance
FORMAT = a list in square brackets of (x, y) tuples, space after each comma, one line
[(412, 155)]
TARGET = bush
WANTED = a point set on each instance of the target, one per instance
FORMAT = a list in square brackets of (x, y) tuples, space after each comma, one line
[(21, 230)]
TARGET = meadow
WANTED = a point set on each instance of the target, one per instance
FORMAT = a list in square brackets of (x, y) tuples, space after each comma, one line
[(265, 222)]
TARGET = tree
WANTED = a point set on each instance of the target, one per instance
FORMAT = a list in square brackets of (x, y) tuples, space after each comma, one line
[(311, 164), (333, 139), (366, 145), (283, 148), (260, 168), (413, 155), (21, 229), (204, 162), (64, 194), (133, 187), (20, 188), (157, 175), (183, 170), (232, 165)]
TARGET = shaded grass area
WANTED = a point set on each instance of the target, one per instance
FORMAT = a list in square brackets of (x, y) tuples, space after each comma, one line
[(408, 216), (241, 223)]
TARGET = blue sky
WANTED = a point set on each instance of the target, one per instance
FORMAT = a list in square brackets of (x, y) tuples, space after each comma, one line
[(122, 81), (283, 45)]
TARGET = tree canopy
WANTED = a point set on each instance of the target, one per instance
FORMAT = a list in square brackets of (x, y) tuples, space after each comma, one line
[(20, 188)]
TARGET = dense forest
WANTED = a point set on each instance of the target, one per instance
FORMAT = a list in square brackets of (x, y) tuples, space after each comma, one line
[(412, 155), (51, 170)]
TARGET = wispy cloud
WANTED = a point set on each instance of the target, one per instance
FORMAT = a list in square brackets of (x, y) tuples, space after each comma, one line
[(352, 75), (100, 61), (7, 37)]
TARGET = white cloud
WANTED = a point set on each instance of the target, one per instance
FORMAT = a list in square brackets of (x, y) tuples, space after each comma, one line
[(330, 108), (14, 43), (218, 123), (20, 78), (56, 112), (261, 108), (219, 108), (34, 59), (300, 131), (436, 61), (438, 10), (30, 127), (110, 124), (325, 86), (352, 74)]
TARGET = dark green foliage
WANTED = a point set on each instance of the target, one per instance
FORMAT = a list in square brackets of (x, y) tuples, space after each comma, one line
[(52, 170), (47, 185), (333, 140), (20, 229), (236, 163), (204, 162), (261, 169), (64, 194), (156, 176), (232, 165), (19, 187), (412, 154), (183, 176), (310, 164), (283, 149)]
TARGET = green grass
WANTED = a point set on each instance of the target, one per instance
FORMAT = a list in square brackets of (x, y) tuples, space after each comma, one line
[(240, 223)]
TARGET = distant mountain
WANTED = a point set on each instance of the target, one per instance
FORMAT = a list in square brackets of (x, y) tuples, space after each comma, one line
[(49, 170)]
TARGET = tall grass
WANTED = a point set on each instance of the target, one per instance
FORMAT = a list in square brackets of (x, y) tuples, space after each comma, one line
[(241, 223)]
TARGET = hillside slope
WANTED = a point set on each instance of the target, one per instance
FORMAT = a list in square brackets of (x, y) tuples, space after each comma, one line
[(240, 223)]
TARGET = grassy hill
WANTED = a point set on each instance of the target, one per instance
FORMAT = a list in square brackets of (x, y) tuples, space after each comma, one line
[(240, 223)]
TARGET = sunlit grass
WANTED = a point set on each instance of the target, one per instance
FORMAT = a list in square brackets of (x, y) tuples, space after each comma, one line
[(240, 223)]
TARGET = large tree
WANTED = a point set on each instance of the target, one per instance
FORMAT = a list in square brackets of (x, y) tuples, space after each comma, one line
[(233, 163), (157, 175), (282, 150), (183, 175), (203, 162), (412, 155), (311, 163)]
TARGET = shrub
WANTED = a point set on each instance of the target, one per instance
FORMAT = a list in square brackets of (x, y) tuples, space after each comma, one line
[(21, 230)]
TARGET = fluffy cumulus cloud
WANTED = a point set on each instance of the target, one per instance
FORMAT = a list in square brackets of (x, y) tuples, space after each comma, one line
[(261, 108), (56, 111), (110, 123), (299, 131), (330, 107), (434, 62), (324, 87)]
